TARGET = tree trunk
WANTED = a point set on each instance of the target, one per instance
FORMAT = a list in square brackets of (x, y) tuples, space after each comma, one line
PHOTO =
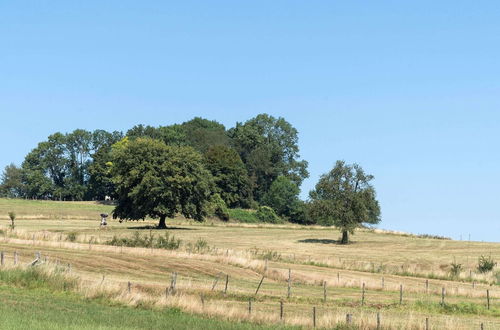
[(162, 224), (345, 237)]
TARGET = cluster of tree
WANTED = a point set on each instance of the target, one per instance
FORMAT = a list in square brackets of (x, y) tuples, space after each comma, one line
[(59, 168), (194, 168)]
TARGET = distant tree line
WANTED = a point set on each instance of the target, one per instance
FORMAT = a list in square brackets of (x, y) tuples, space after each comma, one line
[(196, 168)]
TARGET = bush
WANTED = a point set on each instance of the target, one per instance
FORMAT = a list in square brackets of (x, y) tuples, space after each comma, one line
[(12, 216), (217, 207), (166, 241), (200, 246), (267, 214), (71, 236), (485, 264), (456, 269), (243, 215)]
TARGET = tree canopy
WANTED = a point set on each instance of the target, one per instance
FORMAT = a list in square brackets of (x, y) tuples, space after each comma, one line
[(283, 196), (269, 148), (159, 181), (230, 175), (11, 182), (344, 198)]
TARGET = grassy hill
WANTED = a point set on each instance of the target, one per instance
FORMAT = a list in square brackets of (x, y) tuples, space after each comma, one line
[(69, 233)]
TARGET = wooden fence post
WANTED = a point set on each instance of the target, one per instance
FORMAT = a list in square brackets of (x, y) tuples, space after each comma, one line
[(314, 317), (482, 326), (129, 286), (281, 310), (225, 287), (265, 266), (378, 321), (488, 298), (363, 295), (426, 286), (249, 306), (338, 278), (443, 292), (289, 292), (324, 291), (2, 258), (15, 257), (401, 294), (426, 323), (260, 283), (202, 300)]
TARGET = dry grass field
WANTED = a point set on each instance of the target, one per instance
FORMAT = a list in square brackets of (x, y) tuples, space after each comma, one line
[(68, 233)]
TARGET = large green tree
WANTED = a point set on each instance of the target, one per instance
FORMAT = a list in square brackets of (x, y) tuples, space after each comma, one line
[(283, 197), (202, 134), (159, 181), (230, 176), (345, 198), (59, 167), (100, 183), (11, 182), (269, 148)]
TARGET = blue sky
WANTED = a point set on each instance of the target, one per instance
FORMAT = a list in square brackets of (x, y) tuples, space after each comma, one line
[(411, 91)]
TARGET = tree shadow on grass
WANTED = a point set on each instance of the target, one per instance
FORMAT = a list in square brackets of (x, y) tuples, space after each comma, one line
[(319, 241), (149, 227)]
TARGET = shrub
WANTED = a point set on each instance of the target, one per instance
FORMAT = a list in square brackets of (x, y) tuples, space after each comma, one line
[(166, 241), (71, 236), (12, 216), (243, 215), (267, 214), (456, 269), (485, 264), (217, 207)]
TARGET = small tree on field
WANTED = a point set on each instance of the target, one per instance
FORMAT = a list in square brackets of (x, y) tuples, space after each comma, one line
[(345, 198), (12, 217), (159, 181)]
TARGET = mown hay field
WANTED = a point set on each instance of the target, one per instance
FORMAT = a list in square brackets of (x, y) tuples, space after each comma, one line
[(67, 234)]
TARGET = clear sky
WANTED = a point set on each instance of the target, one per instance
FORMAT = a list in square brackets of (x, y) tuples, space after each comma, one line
[(411, 91)]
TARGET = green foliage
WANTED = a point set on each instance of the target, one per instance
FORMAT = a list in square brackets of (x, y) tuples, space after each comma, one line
[(230, 175), (218, 208), (71, 236), (282, 197), (159, 181), (485, 264), (11, 184), (345, 198), (267, 214), (200, 246), (456, 269), (12, 216), (59, 167), (269, 148), (266, 254), (300, 214), (166, 241), (243, 215), (203, 134)]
